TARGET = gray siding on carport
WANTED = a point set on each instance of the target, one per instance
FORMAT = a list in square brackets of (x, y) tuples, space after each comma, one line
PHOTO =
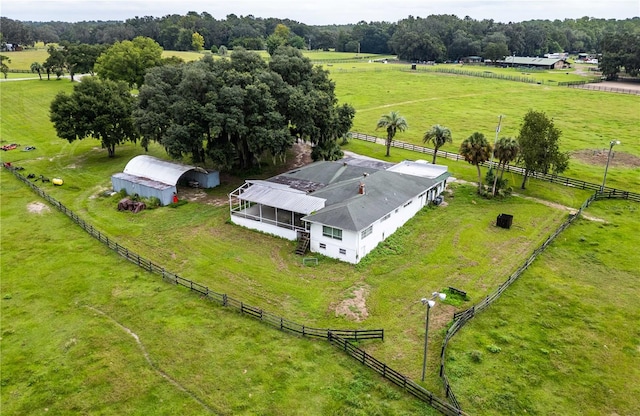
[(145, 188), (209, 180)]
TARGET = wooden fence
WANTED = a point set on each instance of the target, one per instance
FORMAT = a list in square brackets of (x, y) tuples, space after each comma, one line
[(397, 378), (341, 338), (606, 89), (561, 180), (223, 299), (461, 318)]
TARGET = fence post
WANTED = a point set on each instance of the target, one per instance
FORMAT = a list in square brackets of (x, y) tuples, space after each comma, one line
[(224, 299)]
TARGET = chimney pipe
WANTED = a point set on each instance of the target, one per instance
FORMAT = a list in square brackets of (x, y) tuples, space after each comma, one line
[(361, 189)]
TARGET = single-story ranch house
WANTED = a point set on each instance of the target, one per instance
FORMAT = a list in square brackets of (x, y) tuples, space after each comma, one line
[(340, 209)]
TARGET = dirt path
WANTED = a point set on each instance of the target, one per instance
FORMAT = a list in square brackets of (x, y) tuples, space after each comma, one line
[(149, 361)]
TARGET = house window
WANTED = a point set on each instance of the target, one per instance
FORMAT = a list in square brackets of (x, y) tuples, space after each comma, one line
[(323, 245), (367, 231), (407, 204), (332, 232), (343, 251), (386, 217)]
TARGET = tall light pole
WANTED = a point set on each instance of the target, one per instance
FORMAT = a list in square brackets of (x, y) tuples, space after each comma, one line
[(429, 303), (604, 180)]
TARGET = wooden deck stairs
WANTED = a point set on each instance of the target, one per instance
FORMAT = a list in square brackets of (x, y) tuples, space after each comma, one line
[(303, 243)]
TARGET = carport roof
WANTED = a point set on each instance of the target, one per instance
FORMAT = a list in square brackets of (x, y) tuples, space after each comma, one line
[(158, 170)]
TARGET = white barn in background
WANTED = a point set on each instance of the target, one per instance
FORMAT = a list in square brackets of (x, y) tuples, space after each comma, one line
[(340, 209)]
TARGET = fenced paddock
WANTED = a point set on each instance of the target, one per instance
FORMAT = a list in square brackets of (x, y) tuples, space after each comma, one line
[(341, 338), (462, 317)]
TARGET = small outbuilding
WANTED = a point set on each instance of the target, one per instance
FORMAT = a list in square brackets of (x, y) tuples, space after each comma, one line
[(149, 177)]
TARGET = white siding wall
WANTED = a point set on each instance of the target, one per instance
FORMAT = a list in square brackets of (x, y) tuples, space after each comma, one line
[(266, 228), (355, 246), (332, 248)]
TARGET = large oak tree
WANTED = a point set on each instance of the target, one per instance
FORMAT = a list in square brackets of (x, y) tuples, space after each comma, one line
[(232, 112), (96, 108)]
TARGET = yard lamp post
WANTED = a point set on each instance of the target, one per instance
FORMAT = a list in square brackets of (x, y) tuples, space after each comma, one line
[(429, 303), (604, 180)]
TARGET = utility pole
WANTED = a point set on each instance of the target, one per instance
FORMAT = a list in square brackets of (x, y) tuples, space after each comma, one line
[(496, 139)]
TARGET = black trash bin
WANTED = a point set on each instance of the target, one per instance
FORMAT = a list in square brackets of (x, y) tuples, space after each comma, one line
[(504, 221)]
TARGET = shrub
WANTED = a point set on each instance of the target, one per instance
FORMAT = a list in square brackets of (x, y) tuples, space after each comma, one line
[(476, 356), (494, 349)]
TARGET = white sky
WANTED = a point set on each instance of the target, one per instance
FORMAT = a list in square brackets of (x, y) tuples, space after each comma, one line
[(320, 12)]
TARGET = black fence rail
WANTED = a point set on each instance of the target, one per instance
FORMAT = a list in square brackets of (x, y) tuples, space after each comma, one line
[(461, 318), (339, 337), (557, 179), (617, 194), (396, 378), (223, 299)]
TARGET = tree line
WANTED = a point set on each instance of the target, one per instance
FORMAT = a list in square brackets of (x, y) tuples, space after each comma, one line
[(227, 113), (434, 38), (536, 149)]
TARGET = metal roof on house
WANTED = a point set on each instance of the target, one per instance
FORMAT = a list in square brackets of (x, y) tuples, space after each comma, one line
[(281, 196), (384, 191), (158, 170), (420, 168), (518, 60)]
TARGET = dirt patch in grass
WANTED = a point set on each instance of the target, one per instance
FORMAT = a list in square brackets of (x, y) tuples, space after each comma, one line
[(38, 208), (599, 157), (301, 157), (354, 308)]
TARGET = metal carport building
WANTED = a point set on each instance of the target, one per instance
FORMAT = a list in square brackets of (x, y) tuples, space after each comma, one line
[(149, 177)]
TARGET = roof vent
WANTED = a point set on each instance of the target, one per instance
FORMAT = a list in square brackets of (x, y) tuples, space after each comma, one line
[(361, 189)]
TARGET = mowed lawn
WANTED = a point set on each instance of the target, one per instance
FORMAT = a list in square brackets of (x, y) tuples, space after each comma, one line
[(86, 332), (564, 339), (456, 245), (589, 120)]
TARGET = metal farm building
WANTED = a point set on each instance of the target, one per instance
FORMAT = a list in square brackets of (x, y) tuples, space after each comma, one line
[(148, 177)]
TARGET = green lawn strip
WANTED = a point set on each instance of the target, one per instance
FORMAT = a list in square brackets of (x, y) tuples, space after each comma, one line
[(565, 335), (65, 299)]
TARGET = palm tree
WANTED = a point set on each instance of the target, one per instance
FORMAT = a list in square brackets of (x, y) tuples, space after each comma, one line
[(37, 67), (438, 135), (476, 149), (392, 122), (507, 149)]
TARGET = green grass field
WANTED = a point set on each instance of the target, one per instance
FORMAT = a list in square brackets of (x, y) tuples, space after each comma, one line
[(68, 304), (65, 299), (566, 333), (588, 119)]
